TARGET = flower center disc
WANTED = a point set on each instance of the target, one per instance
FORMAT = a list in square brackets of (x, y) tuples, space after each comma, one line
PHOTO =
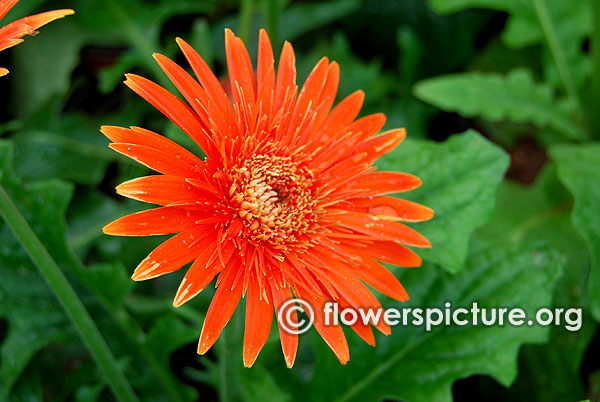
[(273, 196)]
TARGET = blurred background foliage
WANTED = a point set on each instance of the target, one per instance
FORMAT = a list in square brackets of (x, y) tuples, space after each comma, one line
[(516, 196)]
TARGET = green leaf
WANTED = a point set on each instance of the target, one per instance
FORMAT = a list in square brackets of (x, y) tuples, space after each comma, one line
[(260, 386), (415, 365), (453, 6), (133, 23), (34, 81), (495, 97), (27, 389), (561, 26), (51, 143), (571, 22), (111, 281), (35, 317), (52, 154), (234, 381), (571, 19), (200, 40), (460, 178), (301, 18), (89, 212), (578, 169), (295, 21), (527, 215), (355, 72), (168, 334)]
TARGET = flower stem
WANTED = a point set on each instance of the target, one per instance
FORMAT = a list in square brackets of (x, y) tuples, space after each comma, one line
[(246, 10), (67, 297), (223, 379), (273, 21), (557, 52), (132, 329)]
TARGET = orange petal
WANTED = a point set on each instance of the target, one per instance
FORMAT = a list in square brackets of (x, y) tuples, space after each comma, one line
[(382, 229), (307, 99), (162, 190), (350, 288), (349, 145), (368, 126), (362, 330), (158, 221), (158, 160), (172, 254), (208, 264), (333, 335), (172, 107), (209, 82), (379, 183), (27, 26), (265, 67), (404, 210), (376, 275), (259, 317), (330, 88), (289, 342), (10, 34), (324, 104), (286, 75), (221, 308), (189, 87), (241, 73), (380, 145), (393, 253), (3, 72), (147, 138), (5, 6), (39, 20), (343, 114)]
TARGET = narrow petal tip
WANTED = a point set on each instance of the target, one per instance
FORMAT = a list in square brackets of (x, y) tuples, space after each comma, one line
[(136, 277), (38, 20), (202, 347), (289, 361), (428, 213), (249, 360), (3, 72), (66, 11), (142, 275), (180, 42), (107, 229)]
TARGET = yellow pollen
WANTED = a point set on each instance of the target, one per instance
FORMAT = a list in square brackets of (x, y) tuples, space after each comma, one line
[(274, 197)]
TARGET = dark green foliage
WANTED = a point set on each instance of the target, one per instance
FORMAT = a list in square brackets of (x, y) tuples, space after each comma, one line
[(501, 73)]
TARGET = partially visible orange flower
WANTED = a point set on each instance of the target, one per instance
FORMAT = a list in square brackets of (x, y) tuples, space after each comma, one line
[(11, 34), (287, 201)]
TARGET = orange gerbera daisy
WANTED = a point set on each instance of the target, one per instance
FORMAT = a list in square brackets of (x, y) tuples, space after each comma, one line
[(11, 34), (285, 203)]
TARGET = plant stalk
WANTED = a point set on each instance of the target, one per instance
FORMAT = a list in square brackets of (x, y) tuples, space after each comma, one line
[(67, 297), (273, 21), (246, 10), (558, 54)]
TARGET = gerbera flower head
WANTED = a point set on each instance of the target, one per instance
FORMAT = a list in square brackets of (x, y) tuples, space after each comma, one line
[(286, 202), (11, 34)]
